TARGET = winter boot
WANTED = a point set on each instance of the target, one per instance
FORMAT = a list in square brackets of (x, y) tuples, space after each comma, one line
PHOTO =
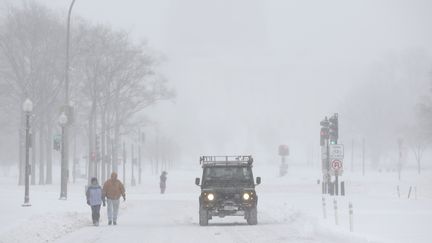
[(115, 222), (110, 222)]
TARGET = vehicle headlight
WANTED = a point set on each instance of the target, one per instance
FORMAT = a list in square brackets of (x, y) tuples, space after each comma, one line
[(246, 196), (210, 197)]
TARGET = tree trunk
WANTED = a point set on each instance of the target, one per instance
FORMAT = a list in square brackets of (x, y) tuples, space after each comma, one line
[(103, 146), (139, 162), (116, 145), (419, 163), (109, 152), (49, 141), (92, 139)]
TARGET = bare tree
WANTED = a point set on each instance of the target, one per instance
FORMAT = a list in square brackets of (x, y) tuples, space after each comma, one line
[(30, 68), (118, 81), (112, 80)]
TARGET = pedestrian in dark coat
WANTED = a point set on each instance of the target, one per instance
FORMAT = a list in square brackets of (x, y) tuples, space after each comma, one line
[(162, 182), (94, 199)]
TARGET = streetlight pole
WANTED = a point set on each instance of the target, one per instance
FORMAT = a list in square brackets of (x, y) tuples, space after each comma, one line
[(65, 132), (67, 54), (27, 107), (64, 169)]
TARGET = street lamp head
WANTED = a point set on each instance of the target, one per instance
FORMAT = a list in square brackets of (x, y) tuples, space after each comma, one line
[(27, 106), (63, 119)]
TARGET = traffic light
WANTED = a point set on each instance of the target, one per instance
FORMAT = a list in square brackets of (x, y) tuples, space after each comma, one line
[(334, 129), (324, 134)]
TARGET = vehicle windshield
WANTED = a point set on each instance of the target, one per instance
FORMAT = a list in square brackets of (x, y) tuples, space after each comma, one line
[(215, 175)]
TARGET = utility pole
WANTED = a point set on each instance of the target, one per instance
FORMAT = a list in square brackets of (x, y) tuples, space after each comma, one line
[(63, 120), (27, 107), (75, 159), (324, 136), (68, 110), (352, 155), (283, 153), (333, 140), (363, 156)]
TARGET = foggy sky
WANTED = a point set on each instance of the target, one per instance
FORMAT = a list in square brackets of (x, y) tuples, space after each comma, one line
[(252, 74)]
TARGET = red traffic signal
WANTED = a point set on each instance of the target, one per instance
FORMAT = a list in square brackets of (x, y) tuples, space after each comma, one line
[(283, 150)]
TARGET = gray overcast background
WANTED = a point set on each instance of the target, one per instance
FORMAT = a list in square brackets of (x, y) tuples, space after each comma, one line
[(252, 74)]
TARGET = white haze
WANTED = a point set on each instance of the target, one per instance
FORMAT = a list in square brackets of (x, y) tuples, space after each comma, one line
[(250, 75)]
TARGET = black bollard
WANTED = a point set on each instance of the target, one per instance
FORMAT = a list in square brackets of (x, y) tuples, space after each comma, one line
[(343, 188)]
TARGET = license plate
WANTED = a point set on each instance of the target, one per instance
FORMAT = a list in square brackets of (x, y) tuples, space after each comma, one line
[(230, 208)]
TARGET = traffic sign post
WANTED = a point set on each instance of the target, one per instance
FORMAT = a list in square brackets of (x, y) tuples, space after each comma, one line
[(332, 154), (336, 154), (336, 151), (283, 152), (336, 167)]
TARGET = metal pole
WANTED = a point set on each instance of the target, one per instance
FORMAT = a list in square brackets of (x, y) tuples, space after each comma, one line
[(65, 150), (324, 208), (27, 164), (351, 217), (67, 54), (124, 164), (336, 185), (63, 184), (328, 182), (363, 156), (352, 156), (75, 159), (335, 211)]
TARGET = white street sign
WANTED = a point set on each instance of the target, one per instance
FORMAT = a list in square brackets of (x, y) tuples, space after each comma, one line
[(336, 167), (336, 151)]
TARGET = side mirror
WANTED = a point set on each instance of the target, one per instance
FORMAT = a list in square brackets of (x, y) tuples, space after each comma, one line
[(197, 181), (258, 180)]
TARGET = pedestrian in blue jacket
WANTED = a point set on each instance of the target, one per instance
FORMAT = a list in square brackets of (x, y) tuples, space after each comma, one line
[(94, 199)]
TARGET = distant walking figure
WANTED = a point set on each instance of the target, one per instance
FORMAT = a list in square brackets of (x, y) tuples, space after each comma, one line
[(112, 190), (162, 183), (95, 198)]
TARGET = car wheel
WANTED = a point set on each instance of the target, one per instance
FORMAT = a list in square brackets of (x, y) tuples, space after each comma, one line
[(252, 218), (203, 217)]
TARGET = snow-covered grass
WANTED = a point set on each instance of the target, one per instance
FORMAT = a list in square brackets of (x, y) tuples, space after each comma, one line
[(290, 210)]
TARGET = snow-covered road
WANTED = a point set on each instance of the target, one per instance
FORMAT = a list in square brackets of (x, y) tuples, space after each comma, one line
[(173, 218), (289, 210)]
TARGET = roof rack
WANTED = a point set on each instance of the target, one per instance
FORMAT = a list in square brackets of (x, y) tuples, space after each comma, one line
[(226, 160)]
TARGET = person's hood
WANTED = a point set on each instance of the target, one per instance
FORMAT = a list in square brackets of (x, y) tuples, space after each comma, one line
[(114, 176)]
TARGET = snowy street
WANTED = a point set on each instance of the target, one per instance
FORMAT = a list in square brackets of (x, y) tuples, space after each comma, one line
[(289, 211), (222, 121)]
